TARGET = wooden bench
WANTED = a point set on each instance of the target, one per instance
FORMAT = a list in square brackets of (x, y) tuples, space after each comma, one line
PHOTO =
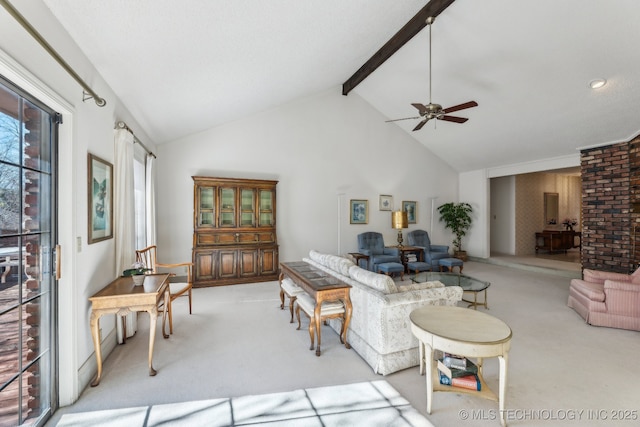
[(328, 310)]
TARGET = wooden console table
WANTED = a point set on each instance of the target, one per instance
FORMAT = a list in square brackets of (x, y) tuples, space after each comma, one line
[(121, 297), (556, 241), (322, 287)]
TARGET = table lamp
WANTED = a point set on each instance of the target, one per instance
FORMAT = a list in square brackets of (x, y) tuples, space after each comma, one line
[(399, 221)]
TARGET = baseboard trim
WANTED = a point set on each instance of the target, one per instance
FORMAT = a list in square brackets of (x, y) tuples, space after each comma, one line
[(89, 368)]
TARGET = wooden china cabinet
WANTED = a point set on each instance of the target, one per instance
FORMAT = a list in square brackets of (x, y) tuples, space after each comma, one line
[(234, 231)]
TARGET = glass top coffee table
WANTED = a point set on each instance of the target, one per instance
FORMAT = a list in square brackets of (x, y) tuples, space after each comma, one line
[(468, 284)]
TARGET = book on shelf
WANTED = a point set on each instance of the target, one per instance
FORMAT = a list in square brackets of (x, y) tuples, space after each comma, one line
[(452, 372), (411, 258), (454, 361), (470, 382)]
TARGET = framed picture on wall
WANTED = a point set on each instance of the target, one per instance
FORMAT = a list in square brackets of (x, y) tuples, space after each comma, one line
[(411, 208), (386, 202), (100, 196), (359, 211)]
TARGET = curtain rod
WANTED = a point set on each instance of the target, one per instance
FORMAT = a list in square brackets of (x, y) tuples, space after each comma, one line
[(123, 125), (88, 93)]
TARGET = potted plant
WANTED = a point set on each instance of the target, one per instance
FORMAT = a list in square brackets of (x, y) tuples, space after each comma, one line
[(137, 272), (457, 218)]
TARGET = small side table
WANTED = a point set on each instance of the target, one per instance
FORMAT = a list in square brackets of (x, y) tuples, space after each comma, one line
[(404, 250), (121, 296), (466, 333), (358, 256)]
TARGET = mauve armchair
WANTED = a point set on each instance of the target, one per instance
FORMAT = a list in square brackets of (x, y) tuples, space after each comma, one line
[(607, 298), (432, 253), (371, 243)]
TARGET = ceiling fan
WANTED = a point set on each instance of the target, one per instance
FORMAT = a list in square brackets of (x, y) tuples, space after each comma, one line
[(435, 111)]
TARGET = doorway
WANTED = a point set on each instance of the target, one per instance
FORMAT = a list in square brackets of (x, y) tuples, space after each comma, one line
[(28, 235), (518, 206)]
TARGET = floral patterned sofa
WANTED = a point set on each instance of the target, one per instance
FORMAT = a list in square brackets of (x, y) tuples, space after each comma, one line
[(380, 329)]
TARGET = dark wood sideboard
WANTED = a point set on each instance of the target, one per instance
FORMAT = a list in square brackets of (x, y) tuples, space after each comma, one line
[(558, 240)]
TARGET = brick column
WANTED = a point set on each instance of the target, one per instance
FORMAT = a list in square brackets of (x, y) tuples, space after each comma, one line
[(606, 206), (634, 170)]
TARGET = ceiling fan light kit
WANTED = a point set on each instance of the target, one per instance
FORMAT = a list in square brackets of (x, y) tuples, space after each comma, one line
[(597, 83), (435, 111)]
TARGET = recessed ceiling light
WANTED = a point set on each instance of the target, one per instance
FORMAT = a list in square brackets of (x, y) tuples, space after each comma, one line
[(597, 83)]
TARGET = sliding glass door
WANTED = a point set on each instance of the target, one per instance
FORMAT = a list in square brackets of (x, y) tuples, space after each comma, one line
[(28, 133)]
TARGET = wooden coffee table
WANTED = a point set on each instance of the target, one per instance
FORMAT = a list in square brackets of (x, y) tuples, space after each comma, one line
[(466, 333)]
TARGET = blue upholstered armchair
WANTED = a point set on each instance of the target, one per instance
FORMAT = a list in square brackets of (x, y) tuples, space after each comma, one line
[(432, 253), (372, 244)]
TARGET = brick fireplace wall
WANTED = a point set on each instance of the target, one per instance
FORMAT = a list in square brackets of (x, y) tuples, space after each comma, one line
[(634, 189), (610, 186)]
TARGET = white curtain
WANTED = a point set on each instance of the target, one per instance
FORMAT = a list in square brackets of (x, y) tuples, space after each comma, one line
[(151, 200), (124, 220), (124, 228)]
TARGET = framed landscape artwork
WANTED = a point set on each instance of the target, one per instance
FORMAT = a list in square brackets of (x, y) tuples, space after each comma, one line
[(411, 209), (386, 202), (359, 211), (100, 186)]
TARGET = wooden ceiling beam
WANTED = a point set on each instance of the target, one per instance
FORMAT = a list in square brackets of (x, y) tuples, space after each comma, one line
[(406, 33)]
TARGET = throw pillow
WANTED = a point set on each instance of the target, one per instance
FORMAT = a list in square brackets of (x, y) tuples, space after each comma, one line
[(334, 262), (316, 256), (380, 282), (339, 264)]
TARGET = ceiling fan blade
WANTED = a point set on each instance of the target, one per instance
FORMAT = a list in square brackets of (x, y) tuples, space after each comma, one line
[(421, 108), (419, 126), (460, 107), (406, 118), (453, 119)]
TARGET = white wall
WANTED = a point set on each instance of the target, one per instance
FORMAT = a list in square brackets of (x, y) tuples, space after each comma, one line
[(86, 128), (474, 189), (502, 215), (324, 150)]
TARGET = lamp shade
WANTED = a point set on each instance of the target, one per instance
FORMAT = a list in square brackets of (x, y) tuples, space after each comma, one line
[(399, 220)]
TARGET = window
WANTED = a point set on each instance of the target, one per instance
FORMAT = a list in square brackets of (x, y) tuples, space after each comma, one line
[(28, 233)]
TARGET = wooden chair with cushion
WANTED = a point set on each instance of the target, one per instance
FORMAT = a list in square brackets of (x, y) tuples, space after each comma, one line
[(148, 257)]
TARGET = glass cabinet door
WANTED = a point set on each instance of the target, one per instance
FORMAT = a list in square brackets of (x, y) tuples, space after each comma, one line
[(266, 208), (247, 207), (227, 207), (207, 205)]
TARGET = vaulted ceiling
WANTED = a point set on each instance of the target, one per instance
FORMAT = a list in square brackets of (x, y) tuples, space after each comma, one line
[(183, 67)]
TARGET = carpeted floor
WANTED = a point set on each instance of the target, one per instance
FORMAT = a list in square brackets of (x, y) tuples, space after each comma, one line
[(373, 403), (238, 342)]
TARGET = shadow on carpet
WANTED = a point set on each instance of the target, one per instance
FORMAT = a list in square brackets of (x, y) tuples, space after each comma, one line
[(373, 403)]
